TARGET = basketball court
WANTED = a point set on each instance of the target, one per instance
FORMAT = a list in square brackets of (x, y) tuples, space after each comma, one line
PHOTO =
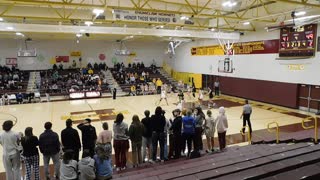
[(265, 51)]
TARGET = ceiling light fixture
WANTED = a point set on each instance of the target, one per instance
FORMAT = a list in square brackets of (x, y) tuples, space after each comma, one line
[(184, 18), (98, 11), (301, 13), (161, 26), (1, 19), (246, 23), (10, 28), (88, 23), (82, 30), (229, 4), (79, 35), (212, 29), (19, 34)]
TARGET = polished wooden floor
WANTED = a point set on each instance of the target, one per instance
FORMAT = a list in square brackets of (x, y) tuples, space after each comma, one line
[(105, 109)]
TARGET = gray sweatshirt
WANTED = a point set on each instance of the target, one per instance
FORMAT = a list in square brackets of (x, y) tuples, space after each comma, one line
[(120, 131), (86, 169)]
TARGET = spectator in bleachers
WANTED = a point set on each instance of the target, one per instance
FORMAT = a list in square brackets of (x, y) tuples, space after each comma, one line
[(89, 66), (147, 136), (222, 126), (86, 166), (11, 155), (188, 130), (31, 154), (61, 66), (69, 167), (90, 71), (70, 140), (132, 90), (89, 135), (50, 147), (142, 65), (103, 164), (55, 67), (158, 124), (19, 98), (209, 127), (120, 143), (136, 131), (16, 77), (146, 89)]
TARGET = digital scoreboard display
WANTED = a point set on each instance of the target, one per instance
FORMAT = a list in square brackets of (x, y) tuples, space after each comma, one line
[(298, 42)]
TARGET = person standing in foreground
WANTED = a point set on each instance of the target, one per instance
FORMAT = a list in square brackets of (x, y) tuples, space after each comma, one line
[(158, 124), (70, 140), (246, 113), (146, 137), (136, 131), (31, 154), (176, 129), (222, 126), (89, 135), (209, 129), (11, 156), (120, 142), (50, 147)]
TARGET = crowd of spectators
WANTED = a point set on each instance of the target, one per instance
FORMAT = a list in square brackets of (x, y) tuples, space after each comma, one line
[(174, 135), (90, 78)]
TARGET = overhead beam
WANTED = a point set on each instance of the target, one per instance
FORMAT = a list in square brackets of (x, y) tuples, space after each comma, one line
[(303, 3)]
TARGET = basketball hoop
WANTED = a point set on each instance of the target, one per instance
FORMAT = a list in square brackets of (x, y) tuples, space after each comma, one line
[(226, 65)]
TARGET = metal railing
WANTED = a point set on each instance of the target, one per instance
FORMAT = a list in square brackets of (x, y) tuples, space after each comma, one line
[(276, 130), (248, 133), (315, 126)]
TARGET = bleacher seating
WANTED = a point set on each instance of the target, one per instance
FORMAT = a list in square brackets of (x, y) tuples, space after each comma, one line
[(126, 87), (258, 161)]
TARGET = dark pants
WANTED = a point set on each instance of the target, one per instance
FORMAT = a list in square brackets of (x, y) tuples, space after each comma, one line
[(216, 91), (120, 150), (171, 146), (198, 144), (177, 145), (156, 136), (246, 118), (222, 140), (189, 138)]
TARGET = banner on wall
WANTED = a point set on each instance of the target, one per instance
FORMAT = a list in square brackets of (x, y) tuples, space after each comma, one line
[(318, 44), (75, 53), (207, 51), (11, 61), (144, 16), (257, 47), (62, 59)]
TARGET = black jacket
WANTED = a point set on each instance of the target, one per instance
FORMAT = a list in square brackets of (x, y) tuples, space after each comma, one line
[(147, 127), (30, 146), (157, 123), (70, 139), (49, 143), (176, 125), (89, 135)]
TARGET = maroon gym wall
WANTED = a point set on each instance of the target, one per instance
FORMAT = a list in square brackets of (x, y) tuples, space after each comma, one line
[(283, 94)]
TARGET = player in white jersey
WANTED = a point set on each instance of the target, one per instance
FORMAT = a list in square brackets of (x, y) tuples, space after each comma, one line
[(163, 95)]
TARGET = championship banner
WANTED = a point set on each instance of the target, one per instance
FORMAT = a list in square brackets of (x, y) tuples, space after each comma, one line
[(257, 47), (207, 51), (11, 61), (144, 16)]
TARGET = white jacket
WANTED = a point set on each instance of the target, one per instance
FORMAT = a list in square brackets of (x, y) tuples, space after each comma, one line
[(221, 121)]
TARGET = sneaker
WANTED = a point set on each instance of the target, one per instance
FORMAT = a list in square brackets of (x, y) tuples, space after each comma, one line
[(208, 151), (117, 169)]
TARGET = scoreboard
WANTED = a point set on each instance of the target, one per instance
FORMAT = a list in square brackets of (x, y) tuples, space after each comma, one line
[(298, 42)]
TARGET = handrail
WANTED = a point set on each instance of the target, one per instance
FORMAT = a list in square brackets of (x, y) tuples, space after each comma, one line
[(315, 126), (248, 132), (276, 130)]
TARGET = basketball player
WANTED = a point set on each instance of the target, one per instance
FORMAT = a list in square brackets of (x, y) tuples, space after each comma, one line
[(163, 95), (189, 89), (200, 98)]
